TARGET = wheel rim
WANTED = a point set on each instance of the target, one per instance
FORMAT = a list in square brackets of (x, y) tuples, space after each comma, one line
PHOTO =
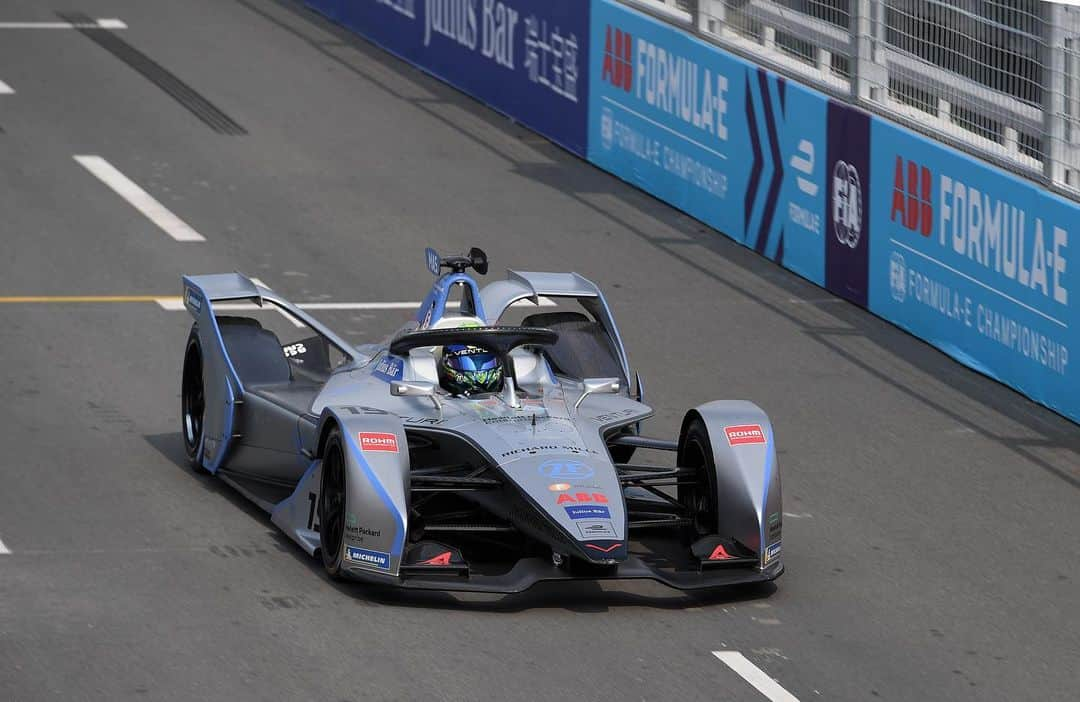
[(332, 504), (194, 403), (700, 500)]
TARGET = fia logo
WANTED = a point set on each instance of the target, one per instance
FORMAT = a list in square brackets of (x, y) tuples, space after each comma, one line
[(607, 128), (618, 67), (803, 162), (846, 204), (898, 276)]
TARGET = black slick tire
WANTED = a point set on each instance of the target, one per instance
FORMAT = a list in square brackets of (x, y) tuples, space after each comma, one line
[(193, 401), (332, 502), (699, 498)]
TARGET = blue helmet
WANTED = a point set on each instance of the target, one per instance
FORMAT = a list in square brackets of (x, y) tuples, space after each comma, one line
[(469, 370)]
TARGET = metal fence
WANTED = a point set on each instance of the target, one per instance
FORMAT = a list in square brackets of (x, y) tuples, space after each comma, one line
[(997, 78)]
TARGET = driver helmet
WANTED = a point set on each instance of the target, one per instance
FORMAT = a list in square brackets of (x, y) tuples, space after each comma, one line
[(469, 370)]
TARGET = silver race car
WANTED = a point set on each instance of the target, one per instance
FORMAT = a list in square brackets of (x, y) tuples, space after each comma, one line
[(485, 446)]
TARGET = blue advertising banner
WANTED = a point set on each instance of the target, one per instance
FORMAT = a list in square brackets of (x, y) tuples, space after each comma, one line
[(975, 261), (737, 147), (525, 58)]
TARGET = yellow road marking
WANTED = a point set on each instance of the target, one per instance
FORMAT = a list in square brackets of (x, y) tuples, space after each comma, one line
[(63, 299)]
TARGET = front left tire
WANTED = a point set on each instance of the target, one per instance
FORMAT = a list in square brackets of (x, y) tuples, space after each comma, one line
[(332, 501)]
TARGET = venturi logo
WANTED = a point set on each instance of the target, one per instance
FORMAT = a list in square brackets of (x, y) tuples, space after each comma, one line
[(912, 205), (618, 66), (846, 204)]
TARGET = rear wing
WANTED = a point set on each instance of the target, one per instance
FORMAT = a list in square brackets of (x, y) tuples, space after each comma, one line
[(201, 291), (222, 385), (217, 287), (496, 297)]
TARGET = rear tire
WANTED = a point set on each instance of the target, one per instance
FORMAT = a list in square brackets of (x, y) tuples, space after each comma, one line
[(193, 401), (699, 499), (332, 501)]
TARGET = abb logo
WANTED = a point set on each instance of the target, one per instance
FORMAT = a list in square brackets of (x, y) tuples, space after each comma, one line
[(618, 66), (745, 434), (911, 200), (378, 441), (567, 498)]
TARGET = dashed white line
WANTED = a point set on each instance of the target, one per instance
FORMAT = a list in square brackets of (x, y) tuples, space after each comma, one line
[(6, 89), (755, 676), (110, 23), (139, 198), (4, 550)]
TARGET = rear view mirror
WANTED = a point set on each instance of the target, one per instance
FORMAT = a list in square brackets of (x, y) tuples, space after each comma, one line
[(415, 388), (598, 386)]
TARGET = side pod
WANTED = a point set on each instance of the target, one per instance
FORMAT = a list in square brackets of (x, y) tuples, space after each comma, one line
[(747, 475)]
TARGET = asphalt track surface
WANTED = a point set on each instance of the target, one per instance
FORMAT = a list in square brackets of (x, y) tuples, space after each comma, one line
[(932, 540)]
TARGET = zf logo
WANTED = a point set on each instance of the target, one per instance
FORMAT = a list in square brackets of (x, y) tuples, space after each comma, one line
[(911, 200), (847, 204), (618, 65)]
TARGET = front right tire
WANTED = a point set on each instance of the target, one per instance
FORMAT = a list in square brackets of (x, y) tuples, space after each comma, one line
[(698, 498)]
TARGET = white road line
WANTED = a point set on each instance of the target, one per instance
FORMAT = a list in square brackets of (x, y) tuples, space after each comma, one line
[(96, 24), (6, 89), (288, 317), (176, 304), (139, 198), (755, 676), (4, 550)]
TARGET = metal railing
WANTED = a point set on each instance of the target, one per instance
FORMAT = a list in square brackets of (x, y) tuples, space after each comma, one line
[(997, 78)]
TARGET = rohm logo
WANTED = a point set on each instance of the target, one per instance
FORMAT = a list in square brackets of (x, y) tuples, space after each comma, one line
[(618, 63), (912, 204)]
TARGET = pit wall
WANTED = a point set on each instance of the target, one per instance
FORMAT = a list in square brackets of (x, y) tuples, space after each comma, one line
[(966, 256)]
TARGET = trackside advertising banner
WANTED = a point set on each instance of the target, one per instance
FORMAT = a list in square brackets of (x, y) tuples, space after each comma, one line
[(737, 147), (525, 58), (977, 262)]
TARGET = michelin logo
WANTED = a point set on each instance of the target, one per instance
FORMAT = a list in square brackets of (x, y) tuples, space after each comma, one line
[(364, 556)]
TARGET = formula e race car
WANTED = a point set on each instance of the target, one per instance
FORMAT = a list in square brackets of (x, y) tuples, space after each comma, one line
[(486, 446)]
